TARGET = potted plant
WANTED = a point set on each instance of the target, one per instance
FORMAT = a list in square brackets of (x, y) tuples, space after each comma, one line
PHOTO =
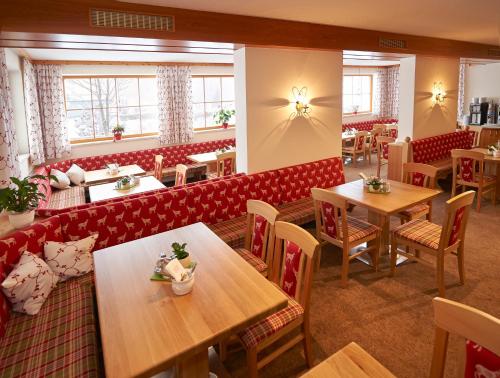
[(117, 132), (222, 117), (20, 202), (355, 109), (180, 253)]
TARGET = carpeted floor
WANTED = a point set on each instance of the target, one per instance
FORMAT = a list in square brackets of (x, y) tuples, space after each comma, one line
[(392, 318)]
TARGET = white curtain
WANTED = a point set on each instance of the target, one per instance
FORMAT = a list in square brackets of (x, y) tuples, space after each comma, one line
[(461, 92), (386, 92), (35, 135), (9, 163), (175, 112), (50, 91)]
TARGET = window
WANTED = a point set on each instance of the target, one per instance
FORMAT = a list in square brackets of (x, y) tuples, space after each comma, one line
[(357, 94), (210, 94), (96, 104)]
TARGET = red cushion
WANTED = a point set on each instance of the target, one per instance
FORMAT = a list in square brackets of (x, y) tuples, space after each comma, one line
[(366, 125), (480, 362), (439, 147), (43, 186)]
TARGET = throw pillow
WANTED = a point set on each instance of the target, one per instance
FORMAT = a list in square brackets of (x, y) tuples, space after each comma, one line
[(62, 179), (70, 259), (29, 284), (76, 174)]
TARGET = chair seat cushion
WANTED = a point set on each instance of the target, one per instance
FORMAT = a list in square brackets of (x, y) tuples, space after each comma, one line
[(359, 229), (416, 211), (231, 231), (253, 335), (73, 196), (298, 212), (61, 340), (421, 232), (253, 260)]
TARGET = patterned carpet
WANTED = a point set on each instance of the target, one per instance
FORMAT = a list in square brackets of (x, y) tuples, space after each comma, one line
[(392, 318)]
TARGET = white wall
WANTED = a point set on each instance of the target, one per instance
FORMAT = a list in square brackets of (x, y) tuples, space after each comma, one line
[(481, 81), (406, 96), (272, 137)]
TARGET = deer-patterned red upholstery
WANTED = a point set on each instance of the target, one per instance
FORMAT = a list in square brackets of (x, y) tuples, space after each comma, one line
[(366, 125), (438, 148)]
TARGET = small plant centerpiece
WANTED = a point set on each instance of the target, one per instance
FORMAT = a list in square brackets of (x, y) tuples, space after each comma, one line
[(377, 185), (180, 253), (127, 182), (21, 200), (117, 132), (222, 117)]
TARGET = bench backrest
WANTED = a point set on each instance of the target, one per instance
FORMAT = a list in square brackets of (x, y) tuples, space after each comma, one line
[(366, 125), (439, 147)]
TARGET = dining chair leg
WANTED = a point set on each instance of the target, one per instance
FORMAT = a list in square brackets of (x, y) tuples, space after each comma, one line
[(478, 199), (394, 254), (378, 168), (345, 267), (461, 263), (354, 158), (252, 363), (308, 350), (318, 259), (376, 253), (440, 274), (222, 351)]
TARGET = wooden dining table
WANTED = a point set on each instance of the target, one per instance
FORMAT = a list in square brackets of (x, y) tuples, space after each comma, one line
[(382, 206), (490, 159), (351, 361), (108, 191), (146, 329), (102, 175)]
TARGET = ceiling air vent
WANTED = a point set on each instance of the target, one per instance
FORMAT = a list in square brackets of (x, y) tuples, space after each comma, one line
[(102, 18), (494, 52), (392, 43)]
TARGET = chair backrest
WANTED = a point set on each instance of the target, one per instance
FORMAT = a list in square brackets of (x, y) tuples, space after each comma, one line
[(180, 174), (468, 165), (259, 237), (375, 133), (383, 147), (329, 207), (294, 255), (455, 221), (420, 174), (159, 167), (476, 131), (360, 140), (392, 131), (379, 126), (226, 163), (481, 332)]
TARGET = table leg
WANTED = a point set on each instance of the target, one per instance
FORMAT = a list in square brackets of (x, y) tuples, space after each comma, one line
[(498, 180), (195, 366)]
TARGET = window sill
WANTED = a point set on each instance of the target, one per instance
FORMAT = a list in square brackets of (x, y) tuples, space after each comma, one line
[(217, 130), (358, 114), (123, 140)]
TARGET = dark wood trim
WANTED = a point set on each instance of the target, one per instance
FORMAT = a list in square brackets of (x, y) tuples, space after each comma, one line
[(70, 17), (117, 63)]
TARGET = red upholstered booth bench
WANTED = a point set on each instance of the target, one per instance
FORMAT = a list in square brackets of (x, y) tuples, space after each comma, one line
[(69, 311), (366, 125), (436, 150)]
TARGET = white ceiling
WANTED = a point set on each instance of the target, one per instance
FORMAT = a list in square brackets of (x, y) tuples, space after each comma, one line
[(464, 20)]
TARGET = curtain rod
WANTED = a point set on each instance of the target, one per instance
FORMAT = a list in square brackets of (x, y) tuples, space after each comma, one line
[(119, 63)]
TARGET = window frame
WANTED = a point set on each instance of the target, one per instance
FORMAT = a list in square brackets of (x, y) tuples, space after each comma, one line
[(371, 95), (108, 138), (214, 127)]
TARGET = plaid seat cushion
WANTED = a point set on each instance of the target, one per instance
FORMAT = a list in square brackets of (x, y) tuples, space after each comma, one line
[(253, 335), (60, 341), (416, 211), (73, 196), (420, 231), (298, 212), (358, 229), (253, 260), (231, 231)]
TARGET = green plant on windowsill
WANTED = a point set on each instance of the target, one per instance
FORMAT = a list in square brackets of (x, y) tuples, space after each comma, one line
[(223, 116)]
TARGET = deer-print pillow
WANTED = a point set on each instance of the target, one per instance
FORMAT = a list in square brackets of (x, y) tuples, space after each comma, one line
[(70, 259)]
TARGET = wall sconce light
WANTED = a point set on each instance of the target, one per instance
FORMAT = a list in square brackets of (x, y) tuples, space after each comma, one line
[(438, 93), (302, 107)]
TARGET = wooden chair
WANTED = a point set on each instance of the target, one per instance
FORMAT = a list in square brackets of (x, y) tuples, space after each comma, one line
[(422, 175), (383, 151), (379, 126), (226, 164), (330, 209), (260, 235), (392, 131), (476, 131), (468, 171), (372, 143), (424, 236), (158, 172), (359, 147), (480, 333), (180, 174), (295, 252)]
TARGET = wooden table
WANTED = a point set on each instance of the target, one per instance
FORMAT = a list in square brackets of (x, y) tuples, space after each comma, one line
[(102, 175), (347, 137), (351, 361), (146, 329), (107, 191), (382, 206), (493, 160), (208, 158)]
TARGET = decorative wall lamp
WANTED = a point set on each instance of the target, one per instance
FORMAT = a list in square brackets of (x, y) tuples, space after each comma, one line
[(438, 93), (302, 107)]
